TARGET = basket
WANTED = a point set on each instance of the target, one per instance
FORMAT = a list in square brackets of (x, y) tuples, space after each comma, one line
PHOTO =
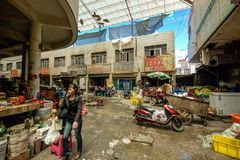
[(136, 101), (235, 117), (3, 148), (226, 145)]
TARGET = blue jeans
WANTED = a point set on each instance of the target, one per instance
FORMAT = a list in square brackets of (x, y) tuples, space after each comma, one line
[(66, 134)]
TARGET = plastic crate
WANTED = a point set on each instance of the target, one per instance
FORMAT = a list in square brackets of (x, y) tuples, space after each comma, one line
[(235, 117), (226, 145), (136, 101)]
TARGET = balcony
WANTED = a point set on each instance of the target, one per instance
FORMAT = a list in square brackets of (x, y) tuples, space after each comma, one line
[(77, 70), (99, 69), (123, 67)]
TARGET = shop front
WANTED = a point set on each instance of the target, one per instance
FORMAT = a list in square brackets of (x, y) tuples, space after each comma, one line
[(124, 77), (99, 75), (45, 78), (163, 63)]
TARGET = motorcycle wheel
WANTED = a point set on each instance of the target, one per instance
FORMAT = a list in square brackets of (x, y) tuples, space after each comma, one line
[(186, 114), (152, 102), (177, 124)]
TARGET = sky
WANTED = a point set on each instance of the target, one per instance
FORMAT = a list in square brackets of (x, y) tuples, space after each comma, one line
[(178, 22)]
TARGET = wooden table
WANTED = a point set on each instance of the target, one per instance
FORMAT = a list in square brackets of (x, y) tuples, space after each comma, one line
[(17, 109)]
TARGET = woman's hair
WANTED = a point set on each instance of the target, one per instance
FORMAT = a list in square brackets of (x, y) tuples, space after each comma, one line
[(74, 86)]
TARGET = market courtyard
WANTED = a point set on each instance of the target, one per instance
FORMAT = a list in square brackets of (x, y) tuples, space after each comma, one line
[(107, 130)]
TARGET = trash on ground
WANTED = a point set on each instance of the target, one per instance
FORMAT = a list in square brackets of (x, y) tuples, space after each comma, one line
[(142, 139), (126, 140)]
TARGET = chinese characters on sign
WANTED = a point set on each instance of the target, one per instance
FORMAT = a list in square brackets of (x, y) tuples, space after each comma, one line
[(44, 70), (16, 73), (159, 63)]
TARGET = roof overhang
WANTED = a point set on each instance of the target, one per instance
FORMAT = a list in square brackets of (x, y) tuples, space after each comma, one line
[(59, 25), (227, 32)]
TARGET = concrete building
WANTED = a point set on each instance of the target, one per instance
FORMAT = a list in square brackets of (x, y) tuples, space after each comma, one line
[(214, 40), (116, 62)]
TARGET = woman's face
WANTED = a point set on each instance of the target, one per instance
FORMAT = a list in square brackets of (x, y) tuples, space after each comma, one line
[(71, 91)]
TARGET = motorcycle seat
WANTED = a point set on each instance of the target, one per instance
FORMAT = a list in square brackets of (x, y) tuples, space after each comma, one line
[(148, 109)]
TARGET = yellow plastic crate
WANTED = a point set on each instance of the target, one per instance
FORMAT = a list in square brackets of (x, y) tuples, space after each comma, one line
[(136, 101), (226, 145)]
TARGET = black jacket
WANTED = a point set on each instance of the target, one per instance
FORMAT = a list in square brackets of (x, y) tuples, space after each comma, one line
[(74, 108)]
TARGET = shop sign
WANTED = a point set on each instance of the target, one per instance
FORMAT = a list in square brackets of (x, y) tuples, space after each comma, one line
[(44, 70), (123, 67), (16, 73), (159, 63), (98, 69)]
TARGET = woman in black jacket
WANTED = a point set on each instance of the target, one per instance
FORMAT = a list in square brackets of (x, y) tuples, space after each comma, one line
[(70, 110)]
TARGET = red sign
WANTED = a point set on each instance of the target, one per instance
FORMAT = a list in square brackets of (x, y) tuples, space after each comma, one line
[(159, 63), (44, 71), (16, 73)]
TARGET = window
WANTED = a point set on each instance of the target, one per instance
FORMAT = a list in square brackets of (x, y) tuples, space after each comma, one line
[(125, 56), (19, 65), (44, 63), (1, 67), (59, 61), (99, 57), (9, 66), (77, 60), (156, 50)]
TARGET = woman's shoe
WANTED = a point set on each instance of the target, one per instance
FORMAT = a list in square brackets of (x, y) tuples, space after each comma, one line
[(78, 155)]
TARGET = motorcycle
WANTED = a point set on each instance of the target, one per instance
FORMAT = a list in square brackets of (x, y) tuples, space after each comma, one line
[(126, 94), (150, 115)]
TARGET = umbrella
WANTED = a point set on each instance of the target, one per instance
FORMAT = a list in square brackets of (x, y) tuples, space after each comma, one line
[(159, 75)]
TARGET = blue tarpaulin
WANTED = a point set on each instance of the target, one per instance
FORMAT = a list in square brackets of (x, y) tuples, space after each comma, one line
[(140, 27)]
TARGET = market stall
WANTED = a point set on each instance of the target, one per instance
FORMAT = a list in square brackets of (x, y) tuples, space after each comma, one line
[(17, 109)]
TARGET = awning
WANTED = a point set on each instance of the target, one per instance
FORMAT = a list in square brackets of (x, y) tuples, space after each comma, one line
[(58, 19)]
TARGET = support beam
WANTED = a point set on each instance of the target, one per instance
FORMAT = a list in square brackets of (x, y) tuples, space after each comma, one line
[(35, 57)]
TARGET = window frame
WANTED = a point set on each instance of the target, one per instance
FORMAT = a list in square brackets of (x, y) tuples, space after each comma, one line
[(99, 58), (42, 62), (126, 55), (17, 63), (1, 67), (8, 66), (57, 62), (155, 50), (77, 58)]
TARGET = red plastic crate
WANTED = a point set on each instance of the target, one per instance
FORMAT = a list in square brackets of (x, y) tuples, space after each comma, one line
[(235, 117)]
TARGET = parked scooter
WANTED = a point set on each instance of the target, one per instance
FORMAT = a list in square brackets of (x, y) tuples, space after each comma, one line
[(126, 94), (168, 114)]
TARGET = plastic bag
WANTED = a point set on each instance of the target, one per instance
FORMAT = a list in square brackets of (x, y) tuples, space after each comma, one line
[(52, 135), (232, 131)]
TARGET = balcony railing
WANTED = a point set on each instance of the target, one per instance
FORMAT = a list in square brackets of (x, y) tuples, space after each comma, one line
[(77, 70), (99, 68), (123, 67)]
